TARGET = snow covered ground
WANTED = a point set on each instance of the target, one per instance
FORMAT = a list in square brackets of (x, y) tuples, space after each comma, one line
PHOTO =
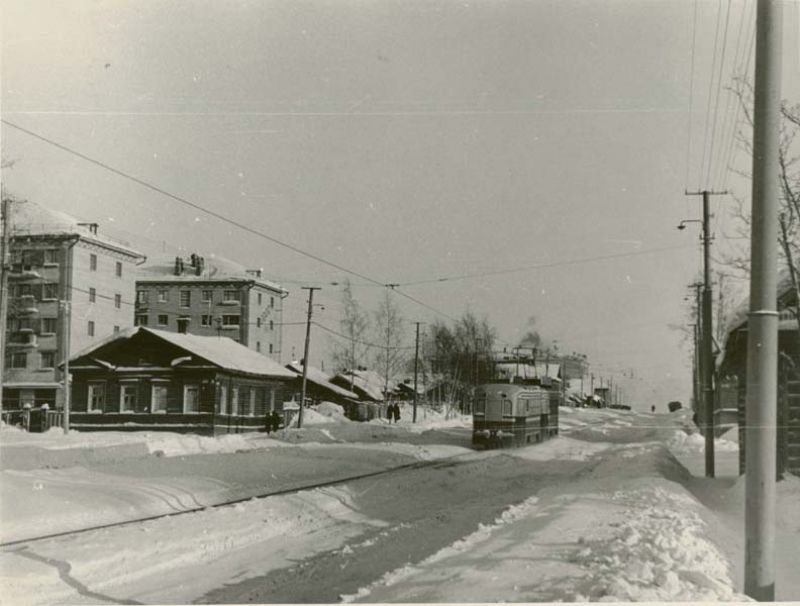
[(635, 526)]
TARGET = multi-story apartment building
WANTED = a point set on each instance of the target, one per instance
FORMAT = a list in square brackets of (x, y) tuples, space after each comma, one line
[(63, 274), (212, 298)]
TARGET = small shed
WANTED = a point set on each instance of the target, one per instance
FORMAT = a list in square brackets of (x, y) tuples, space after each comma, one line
[(150, 379)]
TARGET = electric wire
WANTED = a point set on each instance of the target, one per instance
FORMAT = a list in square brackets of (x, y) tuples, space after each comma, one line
[(708, 101), (719, 88), (691, 96)]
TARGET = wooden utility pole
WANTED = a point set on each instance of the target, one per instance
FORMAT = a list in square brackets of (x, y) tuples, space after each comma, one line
[(416, 366), (5, 216), (707, 351), (310, 290), (761, 402)]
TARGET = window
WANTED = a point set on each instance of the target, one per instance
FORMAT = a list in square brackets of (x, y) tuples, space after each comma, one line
[(163, 319), (140, 320), (17, 360), (49, 326), (142, 297), (270, 348), (118, 301), (272, 301), (258, 322), (230, 296), (206, 296), (191, 398), (51, 256), (222, 403), (271, 325), (258, 346), (92, 295), (97, 397), (48, 359), (163, 296), (92, 262), (230, 320), (235, 401), (205, 320), (119, 269), (116, 329), (186, 298), (49, 291), (158, 398), (251, 408), (90, 328), (506, 408), (480, 405), (259, 298), (127, 398)]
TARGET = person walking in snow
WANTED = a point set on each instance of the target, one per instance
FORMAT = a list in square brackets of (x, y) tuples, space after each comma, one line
[(396, 412)]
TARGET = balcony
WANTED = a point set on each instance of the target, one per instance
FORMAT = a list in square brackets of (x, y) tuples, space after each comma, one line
[(23, 272), (26, 304)]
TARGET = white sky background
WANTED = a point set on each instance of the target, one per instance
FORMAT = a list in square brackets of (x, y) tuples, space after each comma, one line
[(402, 140)]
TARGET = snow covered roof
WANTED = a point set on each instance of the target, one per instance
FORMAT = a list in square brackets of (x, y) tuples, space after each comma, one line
[(368, 381), (738, 317), (220, 351), (315, 375), (215, 269), (32, 219)]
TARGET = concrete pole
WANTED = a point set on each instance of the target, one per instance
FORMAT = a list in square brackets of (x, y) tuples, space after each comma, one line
[(310, 290), (416, 366), (762, 339), (5, 213)]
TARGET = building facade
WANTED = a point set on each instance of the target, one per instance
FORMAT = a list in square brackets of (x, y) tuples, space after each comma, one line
[(68, 287), (212, 299), (157, 380)]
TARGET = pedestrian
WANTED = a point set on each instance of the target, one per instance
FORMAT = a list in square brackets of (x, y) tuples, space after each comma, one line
[(652, 409), (396, 412)]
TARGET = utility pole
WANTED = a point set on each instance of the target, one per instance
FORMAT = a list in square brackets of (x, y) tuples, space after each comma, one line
[(416, 365), (66, 325), (761, 400), (310, 290), (708, 334), (5, 215)]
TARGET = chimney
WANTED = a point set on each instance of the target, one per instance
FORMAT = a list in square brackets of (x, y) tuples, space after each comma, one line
[(92, 227), (178, 266), (254, 272)]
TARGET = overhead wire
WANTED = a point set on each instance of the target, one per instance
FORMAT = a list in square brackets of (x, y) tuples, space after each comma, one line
[(708, 101), (719, 88), (691, 96)]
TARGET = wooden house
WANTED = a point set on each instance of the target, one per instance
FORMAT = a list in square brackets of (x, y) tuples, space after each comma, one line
[(150, 379), (732, 379)]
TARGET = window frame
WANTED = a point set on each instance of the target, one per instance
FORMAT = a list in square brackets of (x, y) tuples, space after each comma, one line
[(187, 295), (158, 386), (189, 387), (123, 387), (92, 386)]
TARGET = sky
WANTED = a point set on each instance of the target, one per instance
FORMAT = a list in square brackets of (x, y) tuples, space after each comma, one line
[(402, 143)]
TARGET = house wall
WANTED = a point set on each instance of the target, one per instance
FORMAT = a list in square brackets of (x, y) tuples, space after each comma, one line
[(217, 411)]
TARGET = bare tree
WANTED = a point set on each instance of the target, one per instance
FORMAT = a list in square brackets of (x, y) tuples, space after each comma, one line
[(354, 326), (389, 330)]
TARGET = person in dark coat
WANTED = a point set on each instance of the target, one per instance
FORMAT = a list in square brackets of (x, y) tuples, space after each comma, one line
[(396, 412)]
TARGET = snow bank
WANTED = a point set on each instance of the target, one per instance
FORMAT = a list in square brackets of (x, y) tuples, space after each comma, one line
[(682, 442)]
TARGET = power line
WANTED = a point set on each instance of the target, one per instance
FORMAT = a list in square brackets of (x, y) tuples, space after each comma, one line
[(691, 94), (710, 88), (719, 87), (187, 202), (542, 266)]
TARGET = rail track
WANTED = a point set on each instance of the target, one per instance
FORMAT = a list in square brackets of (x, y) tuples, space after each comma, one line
[(441, 462)]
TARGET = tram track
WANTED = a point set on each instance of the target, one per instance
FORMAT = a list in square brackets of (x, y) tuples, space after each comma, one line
[(443, 462)]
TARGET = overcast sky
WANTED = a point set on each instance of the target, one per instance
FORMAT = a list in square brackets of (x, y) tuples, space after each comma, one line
[(404, 141)]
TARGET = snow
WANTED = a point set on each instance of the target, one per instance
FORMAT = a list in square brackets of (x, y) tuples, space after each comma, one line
[(637, 527)]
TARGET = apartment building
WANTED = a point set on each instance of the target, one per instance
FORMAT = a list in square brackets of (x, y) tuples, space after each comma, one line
[(69, 287), (212, 297)]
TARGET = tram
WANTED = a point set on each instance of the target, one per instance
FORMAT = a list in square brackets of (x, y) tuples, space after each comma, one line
[(507, 415)]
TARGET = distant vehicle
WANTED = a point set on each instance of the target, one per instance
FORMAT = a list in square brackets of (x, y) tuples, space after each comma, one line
[(675, 405), (507, 415)]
